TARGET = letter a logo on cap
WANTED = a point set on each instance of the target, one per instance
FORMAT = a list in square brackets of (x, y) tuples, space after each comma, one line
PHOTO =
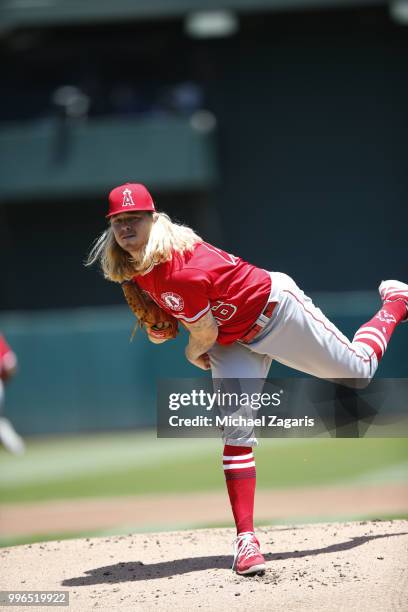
[(127, 198), (131, 197)]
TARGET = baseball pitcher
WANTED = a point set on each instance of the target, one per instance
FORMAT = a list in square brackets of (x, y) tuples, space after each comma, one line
[(239, 318)]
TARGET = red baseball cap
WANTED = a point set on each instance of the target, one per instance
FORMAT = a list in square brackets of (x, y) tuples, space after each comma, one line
[(128, 198)]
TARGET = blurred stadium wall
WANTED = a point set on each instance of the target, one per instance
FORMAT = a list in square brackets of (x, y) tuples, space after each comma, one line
[(283, 142)]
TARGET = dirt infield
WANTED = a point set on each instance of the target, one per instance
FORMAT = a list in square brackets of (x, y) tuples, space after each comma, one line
[(173, 511), (317, 567)]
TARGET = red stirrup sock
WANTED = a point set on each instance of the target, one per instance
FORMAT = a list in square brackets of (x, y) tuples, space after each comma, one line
[(377, 332), (240, 476)]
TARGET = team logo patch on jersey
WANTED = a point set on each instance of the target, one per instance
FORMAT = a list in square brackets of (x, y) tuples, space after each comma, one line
[(127, 198), (173, 300)]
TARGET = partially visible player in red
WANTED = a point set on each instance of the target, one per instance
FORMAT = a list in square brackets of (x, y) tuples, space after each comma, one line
[(240, 318), (8, 367)]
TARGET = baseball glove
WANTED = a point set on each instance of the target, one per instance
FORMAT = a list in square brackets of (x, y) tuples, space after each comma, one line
[(149, 315)]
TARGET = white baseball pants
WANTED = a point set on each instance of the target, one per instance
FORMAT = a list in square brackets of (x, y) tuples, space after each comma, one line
[(298, 335)]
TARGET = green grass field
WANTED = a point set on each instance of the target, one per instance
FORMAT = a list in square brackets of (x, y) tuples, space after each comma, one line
[(107, 465), (110, 465)]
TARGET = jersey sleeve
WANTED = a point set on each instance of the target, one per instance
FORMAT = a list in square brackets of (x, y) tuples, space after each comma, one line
[(190, 289)]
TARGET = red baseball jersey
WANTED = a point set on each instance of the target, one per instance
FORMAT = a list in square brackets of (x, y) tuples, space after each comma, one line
[(8, 360), (207, 277)]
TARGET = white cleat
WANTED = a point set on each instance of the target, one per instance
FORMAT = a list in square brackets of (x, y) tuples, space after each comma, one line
[(10, 438), (393, 290)]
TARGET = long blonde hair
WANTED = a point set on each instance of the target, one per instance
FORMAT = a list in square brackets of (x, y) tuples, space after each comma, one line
[(165, 239)]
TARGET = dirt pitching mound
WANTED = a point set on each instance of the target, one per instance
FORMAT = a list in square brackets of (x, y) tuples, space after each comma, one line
[(336, 566)]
